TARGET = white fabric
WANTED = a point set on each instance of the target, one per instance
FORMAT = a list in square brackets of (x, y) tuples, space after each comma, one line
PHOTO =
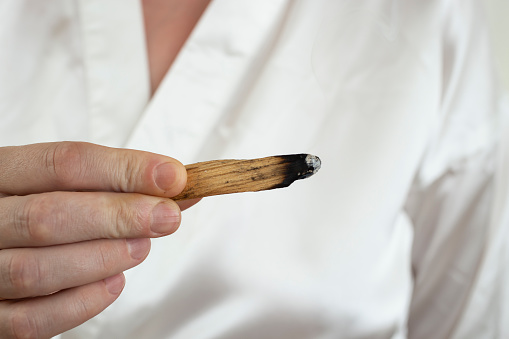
[(401, 234)]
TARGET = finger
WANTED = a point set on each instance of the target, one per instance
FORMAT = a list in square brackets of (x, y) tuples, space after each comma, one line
[(65, 217), (69, 166), (48, 316), (185, 204), (40, 271)]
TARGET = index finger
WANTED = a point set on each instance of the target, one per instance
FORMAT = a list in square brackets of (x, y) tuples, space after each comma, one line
[(71, 166)]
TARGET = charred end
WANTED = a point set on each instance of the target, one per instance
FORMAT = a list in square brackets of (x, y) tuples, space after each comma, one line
[(298, 166)]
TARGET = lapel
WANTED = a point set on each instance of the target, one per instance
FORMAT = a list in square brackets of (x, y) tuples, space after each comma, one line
[(115, 67), (207, 78)]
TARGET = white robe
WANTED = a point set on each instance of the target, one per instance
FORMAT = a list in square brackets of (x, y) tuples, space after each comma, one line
[(402, 232)]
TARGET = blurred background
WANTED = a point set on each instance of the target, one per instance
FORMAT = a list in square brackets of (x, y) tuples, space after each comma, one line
[(498, 12)]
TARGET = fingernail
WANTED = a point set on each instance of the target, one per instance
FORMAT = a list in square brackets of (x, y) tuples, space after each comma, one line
[(165, 175), (138, 247), (165, 218), (115, 284)]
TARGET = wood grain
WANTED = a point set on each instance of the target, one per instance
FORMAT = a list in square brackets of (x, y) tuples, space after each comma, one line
[(233, 176)]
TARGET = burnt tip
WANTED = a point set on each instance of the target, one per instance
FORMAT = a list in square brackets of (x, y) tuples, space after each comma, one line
[(313, 165)]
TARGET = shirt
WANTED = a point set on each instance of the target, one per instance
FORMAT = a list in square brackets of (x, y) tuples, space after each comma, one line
[(401, 233)]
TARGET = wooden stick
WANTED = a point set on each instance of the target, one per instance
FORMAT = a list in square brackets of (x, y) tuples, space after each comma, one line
[(233, 176)]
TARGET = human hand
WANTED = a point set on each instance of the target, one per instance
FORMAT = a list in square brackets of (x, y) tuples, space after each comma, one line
[(66, 210)]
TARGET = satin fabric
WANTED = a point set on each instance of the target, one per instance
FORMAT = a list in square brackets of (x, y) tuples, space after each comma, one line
[(401, 233)]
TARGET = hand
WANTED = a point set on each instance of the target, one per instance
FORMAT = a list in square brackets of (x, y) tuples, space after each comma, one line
[(73, 217)]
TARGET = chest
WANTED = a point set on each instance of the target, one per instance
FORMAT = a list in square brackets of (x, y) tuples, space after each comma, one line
[(168, 24)]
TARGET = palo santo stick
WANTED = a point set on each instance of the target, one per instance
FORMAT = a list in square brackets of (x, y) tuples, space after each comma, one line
[(233, 176)]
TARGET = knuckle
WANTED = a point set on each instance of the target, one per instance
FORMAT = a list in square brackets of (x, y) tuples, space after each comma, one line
[(64, 161), (129, 220), (24, 275), (37, 218), (84, 306), (120, 226), (105, 256), (22, 324), (128, 173)]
